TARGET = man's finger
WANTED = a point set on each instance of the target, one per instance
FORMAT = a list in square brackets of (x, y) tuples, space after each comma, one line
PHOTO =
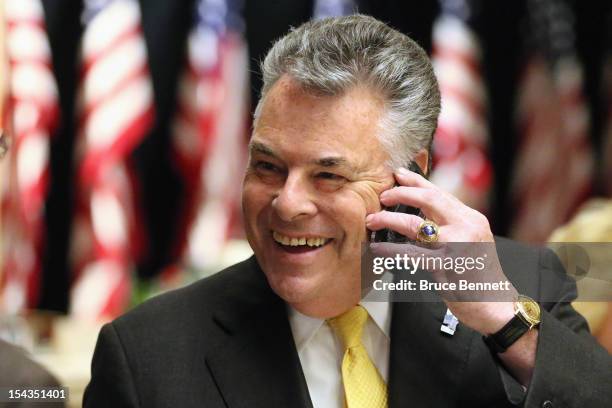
[(405, 224), (406, 177), (435, 205)]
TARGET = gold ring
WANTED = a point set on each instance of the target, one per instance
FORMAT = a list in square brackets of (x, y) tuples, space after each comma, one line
[(428, 232)]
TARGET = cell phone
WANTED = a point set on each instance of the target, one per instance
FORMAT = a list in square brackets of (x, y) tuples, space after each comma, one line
[(388, 235)]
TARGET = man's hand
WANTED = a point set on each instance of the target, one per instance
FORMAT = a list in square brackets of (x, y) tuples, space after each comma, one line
[(457, 223)]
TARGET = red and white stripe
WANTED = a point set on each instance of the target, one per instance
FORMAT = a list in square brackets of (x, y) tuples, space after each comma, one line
[(116, 112), (222, 171), (32, 113), (209, 139), (461, 164), (200, 97), (554, 164)]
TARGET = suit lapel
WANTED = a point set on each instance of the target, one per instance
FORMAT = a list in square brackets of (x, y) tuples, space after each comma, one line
[(426, 365), (256, 363)]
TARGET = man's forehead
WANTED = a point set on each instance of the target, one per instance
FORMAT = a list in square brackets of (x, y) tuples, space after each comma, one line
[(340, 130)]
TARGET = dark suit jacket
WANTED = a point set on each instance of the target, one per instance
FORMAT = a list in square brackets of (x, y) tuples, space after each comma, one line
[(225, 341)]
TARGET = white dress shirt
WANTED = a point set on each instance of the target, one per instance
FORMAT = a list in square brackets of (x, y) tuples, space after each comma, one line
[(321, 352)]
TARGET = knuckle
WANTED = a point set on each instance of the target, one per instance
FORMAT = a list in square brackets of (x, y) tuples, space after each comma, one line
[(407, 223), (415, 223), (482, 219), (429, 195)]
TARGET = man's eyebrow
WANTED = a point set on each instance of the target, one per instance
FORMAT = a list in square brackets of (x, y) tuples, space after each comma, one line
[(258, 147), (332, 162), (337, 161)]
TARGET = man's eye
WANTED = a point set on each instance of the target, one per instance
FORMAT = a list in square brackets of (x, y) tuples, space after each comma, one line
[(330, 176), (266, 166)]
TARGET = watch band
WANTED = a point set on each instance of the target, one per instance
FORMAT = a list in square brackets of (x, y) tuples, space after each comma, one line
[(507, 335)]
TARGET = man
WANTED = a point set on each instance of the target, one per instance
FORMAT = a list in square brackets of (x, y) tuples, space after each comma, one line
[(345, 102)]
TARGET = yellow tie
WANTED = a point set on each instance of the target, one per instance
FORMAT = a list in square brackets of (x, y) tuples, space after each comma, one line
[(363, 385)]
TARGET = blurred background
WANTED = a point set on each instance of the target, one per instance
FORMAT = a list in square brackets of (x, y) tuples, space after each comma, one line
[(128, 120)]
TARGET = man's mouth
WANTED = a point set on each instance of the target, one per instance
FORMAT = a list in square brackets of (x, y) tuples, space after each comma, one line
[(299, 244)]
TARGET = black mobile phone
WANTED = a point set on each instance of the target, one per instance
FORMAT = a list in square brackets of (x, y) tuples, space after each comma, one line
[(388, 235)]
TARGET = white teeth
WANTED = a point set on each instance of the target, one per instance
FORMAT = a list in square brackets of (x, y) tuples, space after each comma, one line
[(312, 242)]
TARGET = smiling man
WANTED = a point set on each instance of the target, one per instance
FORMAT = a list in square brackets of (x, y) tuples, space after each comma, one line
[(346, 103), (316, 170)]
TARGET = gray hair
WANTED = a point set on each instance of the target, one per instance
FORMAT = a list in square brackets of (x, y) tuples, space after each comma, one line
[(331, 55)]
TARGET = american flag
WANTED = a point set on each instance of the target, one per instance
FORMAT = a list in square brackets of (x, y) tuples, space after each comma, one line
[(461, 163), (554, 164), (32, 112), (209, 132), (115, 113), (333, 8)]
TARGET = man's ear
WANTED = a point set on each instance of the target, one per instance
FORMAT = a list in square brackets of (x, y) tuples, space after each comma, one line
[(422, 159)]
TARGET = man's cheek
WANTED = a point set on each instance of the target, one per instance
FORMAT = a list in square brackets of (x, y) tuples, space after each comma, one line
[(348, 213), (255, 194), (367, 193)]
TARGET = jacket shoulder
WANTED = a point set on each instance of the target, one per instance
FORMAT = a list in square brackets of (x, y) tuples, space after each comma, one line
[(189, 307), (154, 354)]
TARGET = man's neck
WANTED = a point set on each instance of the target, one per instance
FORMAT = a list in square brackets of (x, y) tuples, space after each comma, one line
[(326, 307)]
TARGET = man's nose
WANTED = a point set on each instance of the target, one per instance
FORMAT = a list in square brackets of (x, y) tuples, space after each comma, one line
[(294, 201)]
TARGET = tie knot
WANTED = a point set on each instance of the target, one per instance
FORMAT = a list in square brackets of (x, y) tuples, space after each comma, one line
[(349, 326)]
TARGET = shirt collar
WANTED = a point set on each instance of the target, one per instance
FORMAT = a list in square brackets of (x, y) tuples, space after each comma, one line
[(380, 312), (305, 327)]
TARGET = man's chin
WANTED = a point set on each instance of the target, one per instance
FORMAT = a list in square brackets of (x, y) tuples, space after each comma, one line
[(293, 289)]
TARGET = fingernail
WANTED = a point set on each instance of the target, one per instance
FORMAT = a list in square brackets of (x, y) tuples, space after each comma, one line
[(368, 219), (403, 171)]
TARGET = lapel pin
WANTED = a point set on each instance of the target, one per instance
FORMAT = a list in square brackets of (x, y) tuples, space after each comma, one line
[(449, 325)]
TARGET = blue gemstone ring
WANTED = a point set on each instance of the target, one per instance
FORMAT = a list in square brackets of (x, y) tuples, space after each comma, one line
[(428, 232)]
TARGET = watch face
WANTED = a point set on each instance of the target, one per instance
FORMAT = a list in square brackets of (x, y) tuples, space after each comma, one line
[(529, 309)]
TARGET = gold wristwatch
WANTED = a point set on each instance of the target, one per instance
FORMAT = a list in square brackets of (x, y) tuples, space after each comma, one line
[(526, 317)]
